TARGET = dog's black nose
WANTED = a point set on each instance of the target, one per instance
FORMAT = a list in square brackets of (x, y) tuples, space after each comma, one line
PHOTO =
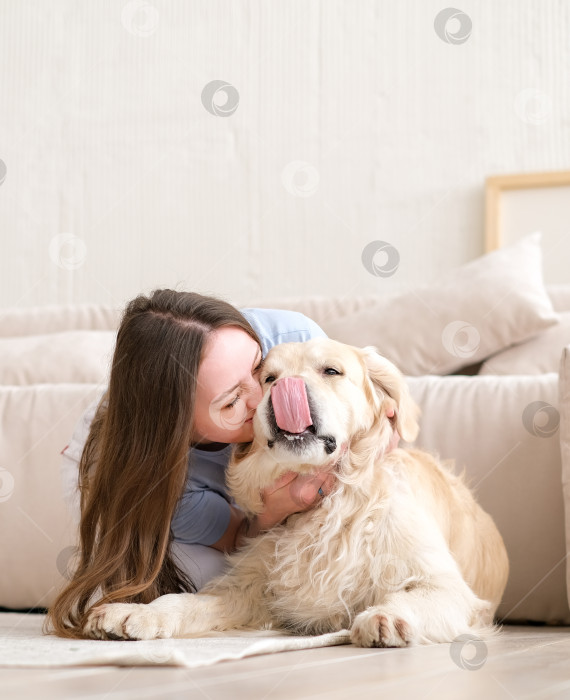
[(330, 443)]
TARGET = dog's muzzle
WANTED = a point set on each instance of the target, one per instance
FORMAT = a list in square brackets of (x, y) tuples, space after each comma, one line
[(292, 417)]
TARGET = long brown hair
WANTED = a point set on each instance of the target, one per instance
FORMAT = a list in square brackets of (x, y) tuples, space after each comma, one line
[(134, 464)]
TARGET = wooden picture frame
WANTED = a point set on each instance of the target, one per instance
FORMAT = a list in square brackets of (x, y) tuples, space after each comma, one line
[(519, 204)]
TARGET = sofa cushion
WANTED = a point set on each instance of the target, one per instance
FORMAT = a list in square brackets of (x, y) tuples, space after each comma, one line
[(36, 320), (504, 432), (491, 426), (537, 356), (564, 398), (70, 356), (37, 533), (475, 311)]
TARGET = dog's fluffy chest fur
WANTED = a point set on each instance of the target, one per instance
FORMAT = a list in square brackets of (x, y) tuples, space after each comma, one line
[(326, 566)]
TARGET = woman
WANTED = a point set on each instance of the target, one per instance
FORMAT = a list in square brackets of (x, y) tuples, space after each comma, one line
[(155, 514)]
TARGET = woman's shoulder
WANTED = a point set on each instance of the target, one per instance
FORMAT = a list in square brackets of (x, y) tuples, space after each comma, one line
[(207, 468), (274, 326)]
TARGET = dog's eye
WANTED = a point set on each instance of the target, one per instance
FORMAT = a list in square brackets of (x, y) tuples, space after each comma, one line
[(331, 371), (269, 378)]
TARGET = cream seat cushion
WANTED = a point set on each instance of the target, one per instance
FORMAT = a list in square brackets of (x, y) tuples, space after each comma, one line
[(565, 446), (37, 532), (505, 432)]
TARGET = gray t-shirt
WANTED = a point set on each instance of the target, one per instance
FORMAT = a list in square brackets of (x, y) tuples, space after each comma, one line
[(203, 513)]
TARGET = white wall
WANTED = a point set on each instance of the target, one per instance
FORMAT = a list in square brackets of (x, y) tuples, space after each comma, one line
[(106, 141)]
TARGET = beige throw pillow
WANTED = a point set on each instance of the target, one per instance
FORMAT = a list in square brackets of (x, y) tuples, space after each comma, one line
[(478, 309), (537, 356), (559, 296)]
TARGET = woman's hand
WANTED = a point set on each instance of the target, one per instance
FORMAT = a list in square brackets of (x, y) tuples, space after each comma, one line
[(293, 493)]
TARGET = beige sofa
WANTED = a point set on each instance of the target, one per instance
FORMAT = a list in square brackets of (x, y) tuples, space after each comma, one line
[(506, 425)]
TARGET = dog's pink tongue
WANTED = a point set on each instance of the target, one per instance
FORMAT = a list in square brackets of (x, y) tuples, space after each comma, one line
[(290, 404)]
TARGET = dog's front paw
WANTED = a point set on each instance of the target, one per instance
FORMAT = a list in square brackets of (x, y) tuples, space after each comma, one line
[(380, 628), (127, 621)]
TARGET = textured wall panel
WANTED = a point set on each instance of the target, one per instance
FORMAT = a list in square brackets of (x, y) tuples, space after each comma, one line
[(356, 122)]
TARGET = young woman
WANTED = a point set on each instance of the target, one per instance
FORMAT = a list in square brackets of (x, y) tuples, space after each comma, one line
[(155, 516)]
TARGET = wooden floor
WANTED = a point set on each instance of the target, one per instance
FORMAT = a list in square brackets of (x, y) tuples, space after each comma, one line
[(523, 662)]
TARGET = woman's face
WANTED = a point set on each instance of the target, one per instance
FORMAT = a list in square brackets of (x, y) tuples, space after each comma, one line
[(228, 388)]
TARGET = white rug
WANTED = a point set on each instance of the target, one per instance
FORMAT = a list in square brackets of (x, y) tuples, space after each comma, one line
[(22, 643)]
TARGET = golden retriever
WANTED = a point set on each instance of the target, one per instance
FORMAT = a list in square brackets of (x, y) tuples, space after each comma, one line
[(399, 552)]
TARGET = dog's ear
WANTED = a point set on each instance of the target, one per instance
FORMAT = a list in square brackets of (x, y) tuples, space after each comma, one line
[(387, 379)]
